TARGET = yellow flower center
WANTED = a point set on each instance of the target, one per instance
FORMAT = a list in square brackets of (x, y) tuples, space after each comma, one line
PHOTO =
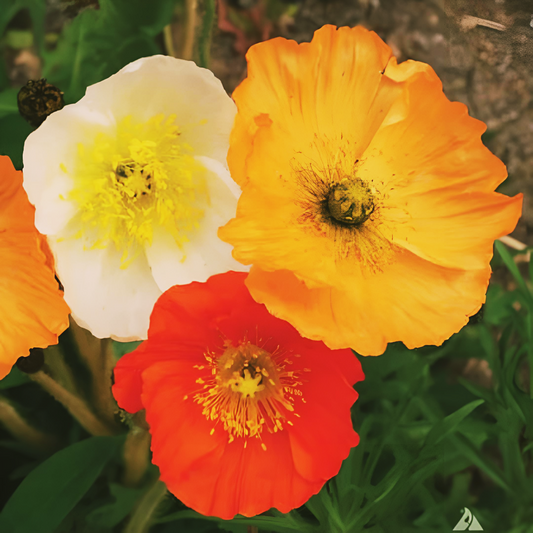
[(249, 391), (140, 178)]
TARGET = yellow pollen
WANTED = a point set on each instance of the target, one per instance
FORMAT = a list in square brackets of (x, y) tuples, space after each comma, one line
[(140, 178), (263, 445), (246, 398)]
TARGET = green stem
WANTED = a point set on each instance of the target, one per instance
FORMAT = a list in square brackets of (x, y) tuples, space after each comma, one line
[(204, 42), (76, 407), (191, 7), (136, 456), (143, 516), (38, 441)]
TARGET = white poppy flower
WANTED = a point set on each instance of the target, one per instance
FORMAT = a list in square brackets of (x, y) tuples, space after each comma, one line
[(130, 185)]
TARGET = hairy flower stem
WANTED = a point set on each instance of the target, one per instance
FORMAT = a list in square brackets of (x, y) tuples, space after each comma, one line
[(169, 40), (143, 515), (75, 406), (191, 7), (136, 458), (98, 357), (39, 442), (204, 40)]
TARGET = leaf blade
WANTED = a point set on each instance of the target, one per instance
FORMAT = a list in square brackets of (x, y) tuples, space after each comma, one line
[(55, 486)]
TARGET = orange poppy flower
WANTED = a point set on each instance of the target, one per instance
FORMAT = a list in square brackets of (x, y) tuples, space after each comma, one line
[(368, 208), (244, 413), (32, 311)]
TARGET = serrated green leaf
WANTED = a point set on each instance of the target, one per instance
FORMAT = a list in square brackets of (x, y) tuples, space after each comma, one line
[(56, 485)]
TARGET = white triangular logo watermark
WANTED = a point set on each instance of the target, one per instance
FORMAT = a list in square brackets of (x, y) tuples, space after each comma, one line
[(468, 522)]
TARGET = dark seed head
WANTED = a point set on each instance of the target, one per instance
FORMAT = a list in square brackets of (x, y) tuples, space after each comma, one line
[(350, 202), (37, 100)]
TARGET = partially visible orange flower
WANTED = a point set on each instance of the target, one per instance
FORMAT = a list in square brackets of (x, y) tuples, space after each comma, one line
[(368, 208), (32, 310), (244, 413)]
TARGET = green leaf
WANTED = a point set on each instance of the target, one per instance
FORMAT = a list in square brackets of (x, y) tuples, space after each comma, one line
[(122, 348), (511, 265), (499, 306), (100, 42), (13, 132), (8, 102), (51, 491), (449, 424), (14, 379), (19, 39), (37, 10), (204, 40), (111, 514)]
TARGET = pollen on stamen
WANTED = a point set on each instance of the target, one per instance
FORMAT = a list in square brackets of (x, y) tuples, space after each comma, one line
[(245, 392), (136, 178)]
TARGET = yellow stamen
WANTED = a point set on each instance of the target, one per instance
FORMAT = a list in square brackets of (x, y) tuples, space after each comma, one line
[(239, 395), (141, 177)]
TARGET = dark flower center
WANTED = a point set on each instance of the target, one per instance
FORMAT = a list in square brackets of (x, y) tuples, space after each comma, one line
[(350, 202)]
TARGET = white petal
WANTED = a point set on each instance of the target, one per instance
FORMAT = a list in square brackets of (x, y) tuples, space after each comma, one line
[(53, 146), (105, 299), (205, 254), (162, 84), (221, 170)]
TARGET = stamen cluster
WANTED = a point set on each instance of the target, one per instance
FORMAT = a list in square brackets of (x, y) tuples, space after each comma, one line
[(139, 178), (249, 390)]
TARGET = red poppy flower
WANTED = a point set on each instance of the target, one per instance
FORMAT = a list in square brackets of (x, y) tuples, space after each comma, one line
[(244, 413)]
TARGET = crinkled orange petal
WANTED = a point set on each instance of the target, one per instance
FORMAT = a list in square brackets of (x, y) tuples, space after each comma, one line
[(456, 229), (427, 142), (32, 310), (341, 108), (439, 177), (413, 301), (297, 87)]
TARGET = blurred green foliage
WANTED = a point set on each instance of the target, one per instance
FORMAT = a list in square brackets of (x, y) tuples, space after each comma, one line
[(441, 428)]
